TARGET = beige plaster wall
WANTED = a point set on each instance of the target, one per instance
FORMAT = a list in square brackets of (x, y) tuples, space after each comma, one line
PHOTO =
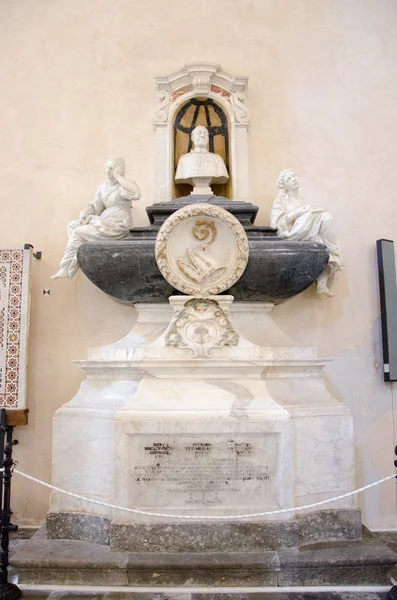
[(77, 86)]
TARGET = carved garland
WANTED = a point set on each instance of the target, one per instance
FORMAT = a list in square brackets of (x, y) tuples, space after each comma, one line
[(198, 210)]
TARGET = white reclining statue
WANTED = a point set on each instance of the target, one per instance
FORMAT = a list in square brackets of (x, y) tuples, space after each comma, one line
[(108, 216), (296, 220)]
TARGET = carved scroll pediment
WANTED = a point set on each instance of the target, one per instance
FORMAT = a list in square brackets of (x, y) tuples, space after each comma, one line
[(203, 79)]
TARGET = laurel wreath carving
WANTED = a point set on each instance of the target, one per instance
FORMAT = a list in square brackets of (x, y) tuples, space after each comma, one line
[(202, 210)]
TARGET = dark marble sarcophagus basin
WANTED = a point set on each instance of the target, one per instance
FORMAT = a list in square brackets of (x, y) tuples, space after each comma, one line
[(277, 269)]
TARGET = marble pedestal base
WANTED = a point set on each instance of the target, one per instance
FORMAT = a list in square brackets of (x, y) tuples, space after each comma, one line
[(249, 429), (202, 186)]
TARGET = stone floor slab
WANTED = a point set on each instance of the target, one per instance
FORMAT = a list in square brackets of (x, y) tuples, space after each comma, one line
[(367, 562), (175, 595), (68, 562)]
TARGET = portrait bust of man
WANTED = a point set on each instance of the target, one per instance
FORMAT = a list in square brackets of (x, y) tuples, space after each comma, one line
[(200, 166)]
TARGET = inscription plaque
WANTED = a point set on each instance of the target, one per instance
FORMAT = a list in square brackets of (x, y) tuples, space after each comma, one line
[(222, 470)]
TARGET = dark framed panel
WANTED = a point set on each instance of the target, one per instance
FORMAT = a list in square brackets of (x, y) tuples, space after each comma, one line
[(388, 306)]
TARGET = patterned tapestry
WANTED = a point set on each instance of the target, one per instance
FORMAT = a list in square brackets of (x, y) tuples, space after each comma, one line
[(14, 325)]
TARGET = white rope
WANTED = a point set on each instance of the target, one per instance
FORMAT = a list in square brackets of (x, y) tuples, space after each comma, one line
[(204, 517)]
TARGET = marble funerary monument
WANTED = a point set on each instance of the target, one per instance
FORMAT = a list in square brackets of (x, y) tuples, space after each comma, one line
[(205, 421)]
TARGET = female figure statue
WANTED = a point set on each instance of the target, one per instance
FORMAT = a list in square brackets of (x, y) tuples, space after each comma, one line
[(108, 216), (296, 220)]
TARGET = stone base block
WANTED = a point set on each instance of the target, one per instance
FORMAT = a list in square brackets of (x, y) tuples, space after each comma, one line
[(330, 525), (78, 526), (204, 537), (249, 536), (177, 594), (45, 561)]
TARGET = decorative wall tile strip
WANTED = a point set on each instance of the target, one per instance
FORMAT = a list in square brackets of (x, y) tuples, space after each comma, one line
[(14, 325)]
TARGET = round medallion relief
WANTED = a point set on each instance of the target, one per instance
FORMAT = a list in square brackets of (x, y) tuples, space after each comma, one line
[(201, 250)]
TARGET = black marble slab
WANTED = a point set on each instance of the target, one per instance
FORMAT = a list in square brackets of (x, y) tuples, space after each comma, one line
[(245, 212), (277, 269)]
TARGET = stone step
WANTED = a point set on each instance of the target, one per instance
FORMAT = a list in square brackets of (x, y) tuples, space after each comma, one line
[(177, 594), (44, 561)]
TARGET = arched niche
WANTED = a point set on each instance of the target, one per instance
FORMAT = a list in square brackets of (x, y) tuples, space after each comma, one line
[(207, 112), (201, 82)]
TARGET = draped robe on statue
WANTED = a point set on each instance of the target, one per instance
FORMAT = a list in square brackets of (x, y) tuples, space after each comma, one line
[(108, 217), (314, 225)]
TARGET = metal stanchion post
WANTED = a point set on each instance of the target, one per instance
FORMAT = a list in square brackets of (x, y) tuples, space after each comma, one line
[(3, 430), (8, 591), (9, 433), (392, 594)]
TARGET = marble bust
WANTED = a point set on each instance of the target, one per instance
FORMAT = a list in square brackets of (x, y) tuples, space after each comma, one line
[(108, 216), (296, 220), (200, 167)]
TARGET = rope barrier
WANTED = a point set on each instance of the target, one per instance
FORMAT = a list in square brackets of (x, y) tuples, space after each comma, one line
[(203, 517)]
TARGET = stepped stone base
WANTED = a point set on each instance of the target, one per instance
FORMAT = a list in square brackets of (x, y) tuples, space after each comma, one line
[(45, 561)]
